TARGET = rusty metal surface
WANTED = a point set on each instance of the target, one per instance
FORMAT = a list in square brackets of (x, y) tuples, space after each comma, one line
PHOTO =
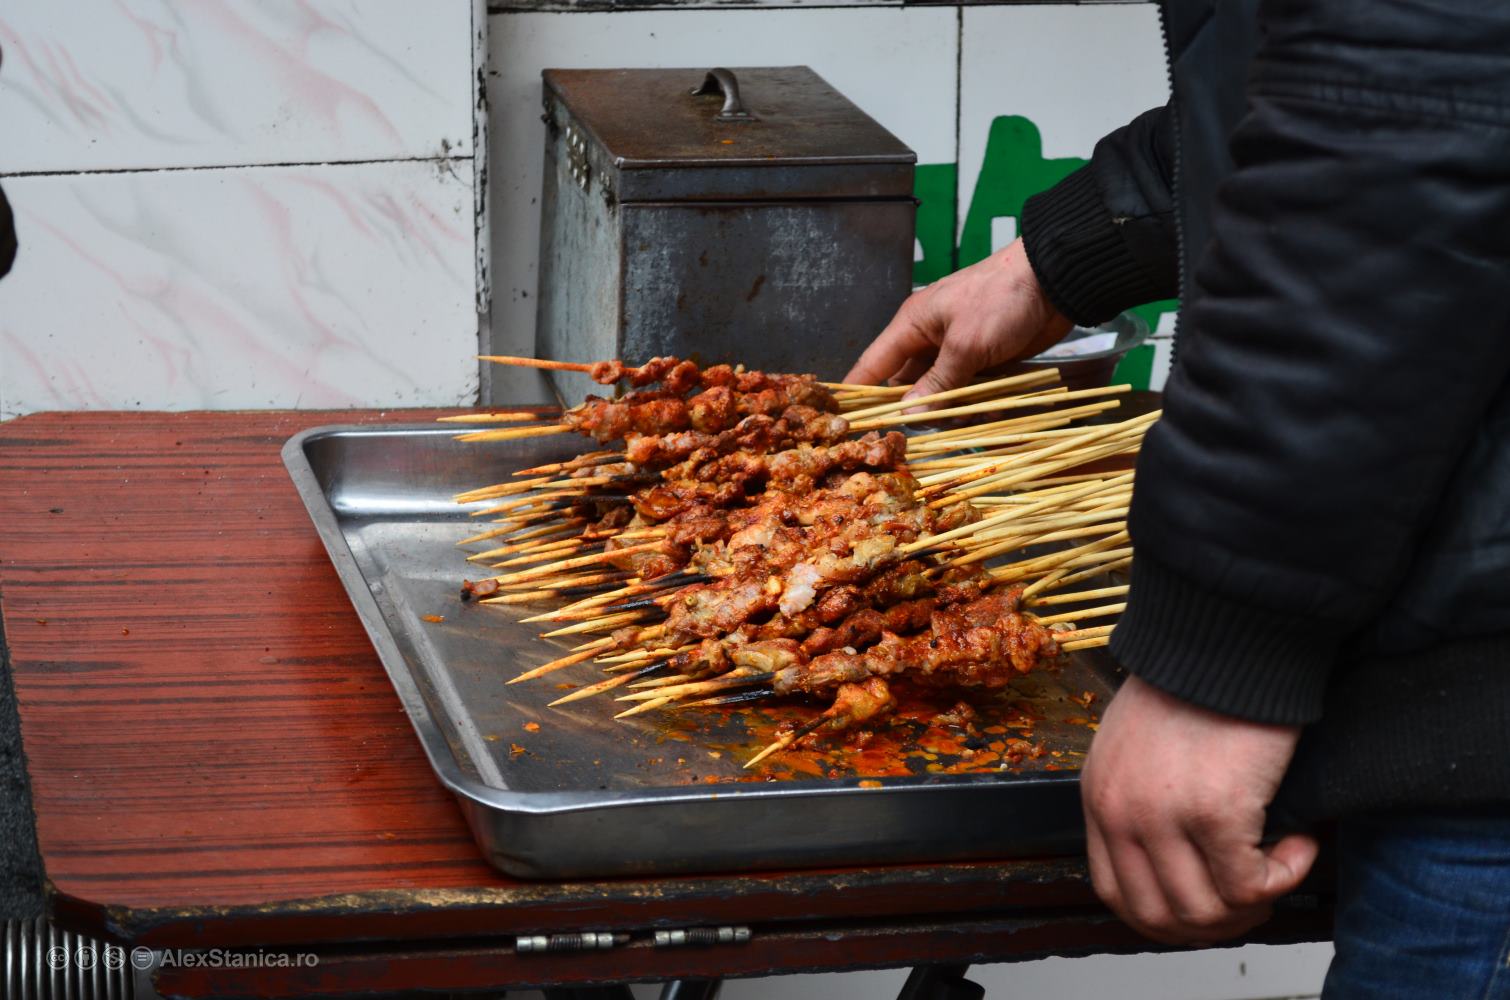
[(572, 792), (782, 243), (758, 284), (649, 119)]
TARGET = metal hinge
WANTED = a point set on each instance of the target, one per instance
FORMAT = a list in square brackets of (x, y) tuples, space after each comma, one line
[(701, 936), (580, 941), (602, 940)]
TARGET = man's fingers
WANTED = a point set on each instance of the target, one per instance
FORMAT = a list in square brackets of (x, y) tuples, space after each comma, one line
[(1186, 880), (951, 369), (1141, 898), (1247, 874), (913, 369), (1289, 861), (1103, 877), (902, 340)]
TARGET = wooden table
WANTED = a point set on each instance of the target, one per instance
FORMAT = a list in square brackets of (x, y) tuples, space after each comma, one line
[(217, 760)]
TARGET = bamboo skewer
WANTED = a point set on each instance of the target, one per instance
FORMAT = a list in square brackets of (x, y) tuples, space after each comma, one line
[(644, 706), (528, 597), (549, 501), (879, 390), (1009, 575), (572, 586), (600, 687), (1082, 595), (521, 362), (586, 461), (1063, 578), (523, 538), (1014, 381), (1052, 530), (500, 490), (547, 570), (1011, 513), (969, 409), (597, 624), (561, 663), (487, 418), (1023, 474), (532, 553), (1031, 421), (1075, 616), (516, 433), (638, 587), (1079, 644), (1094, 632), (739, 677), (660, 681), (514, 523), (552, 548), (1090, 444), (1031, 473), (632, 656), (785, 741)]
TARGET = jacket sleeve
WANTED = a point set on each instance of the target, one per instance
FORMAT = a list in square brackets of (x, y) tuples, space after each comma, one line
[(1103, 239), (1342, 338)]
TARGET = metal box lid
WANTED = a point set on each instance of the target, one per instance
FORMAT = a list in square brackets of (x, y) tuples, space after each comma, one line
[(700, 134)]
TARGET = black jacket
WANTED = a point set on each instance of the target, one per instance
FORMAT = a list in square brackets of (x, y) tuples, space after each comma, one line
[(1322, 517)]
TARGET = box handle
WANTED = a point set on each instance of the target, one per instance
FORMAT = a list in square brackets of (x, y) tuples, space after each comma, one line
[(720, 80)]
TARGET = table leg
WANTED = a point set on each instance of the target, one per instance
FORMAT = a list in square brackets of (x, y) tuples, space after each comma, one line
[(618, 991), (692, 989), (940, 982)]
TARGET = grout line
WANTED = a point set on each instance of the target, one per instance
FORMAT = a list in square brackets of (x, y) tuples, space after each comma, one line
[(959, 101), (482, 226), (231, 166)]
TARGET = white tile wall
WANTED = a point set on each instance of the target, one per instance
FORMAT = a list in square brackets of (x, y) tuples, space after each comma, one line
[(223, 204), (242, 287), (899, 65), (110, 84)]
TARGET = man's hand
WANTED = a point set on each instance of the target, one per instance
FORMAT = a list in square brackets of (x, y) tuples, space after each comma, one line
[(983, 315), (1174, 801)]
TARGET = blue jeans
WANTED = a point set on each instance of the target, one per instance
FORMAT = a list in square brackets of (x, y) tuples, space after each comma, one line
[(1423, 908)]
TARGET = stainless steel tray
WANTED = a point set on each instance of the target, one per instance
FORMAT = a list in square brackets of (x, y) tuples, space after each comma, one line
[(584, 795)]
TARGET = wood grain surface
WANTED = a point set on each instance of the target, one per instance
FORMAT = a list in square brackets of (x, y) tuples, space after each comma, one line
[(217, 757), (215, 752)]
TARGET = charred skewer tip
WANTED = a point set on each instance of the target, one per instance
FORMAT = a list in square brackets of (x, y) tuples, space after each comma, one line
[(786, 741)]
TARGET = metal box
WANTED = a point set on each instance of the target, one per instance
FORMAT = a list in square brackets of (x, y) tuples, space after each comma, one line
[(753, 215)]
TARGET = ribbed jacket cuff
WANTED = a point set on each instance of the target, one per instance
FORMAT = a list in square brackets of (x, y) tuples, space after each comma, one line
[(1221, 654), (1079, 257)]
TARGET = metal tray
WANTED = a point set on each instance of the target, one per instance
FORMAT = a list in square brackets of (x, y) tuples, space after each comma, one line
[(584, 795)]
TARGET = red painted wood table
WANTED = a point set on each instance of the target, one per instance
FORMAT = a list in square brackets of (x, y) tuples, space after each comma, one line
[(217, 760)]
